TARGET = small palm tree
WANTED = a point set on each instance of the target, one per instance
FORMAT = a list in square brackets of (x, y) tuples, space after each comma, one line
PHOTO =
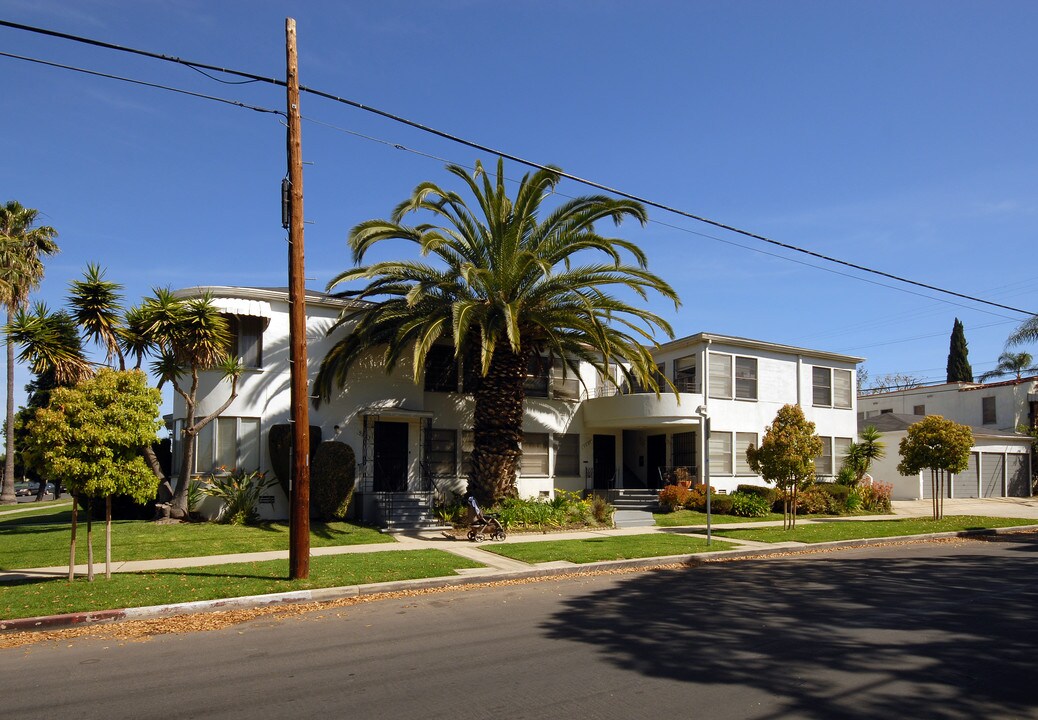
[(22, 245), (1010, 363), (511, 282), (862, 454)]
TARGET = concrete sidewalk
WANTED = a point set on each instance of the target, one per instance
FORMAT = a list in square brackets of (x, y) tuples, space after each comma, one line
[(496, 566)]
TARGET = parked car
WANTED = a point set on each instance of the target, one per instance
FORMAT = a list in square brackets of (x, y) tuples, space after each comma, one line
[(34, 488), (21, 489)]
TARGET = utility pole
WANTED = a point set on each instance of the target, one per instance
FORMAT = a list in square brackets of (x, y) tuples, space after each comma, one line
[(299, 519)]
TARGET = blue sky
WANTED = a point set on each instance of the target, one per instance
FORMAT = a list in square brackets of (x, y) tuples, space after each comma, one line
[(897, 135)]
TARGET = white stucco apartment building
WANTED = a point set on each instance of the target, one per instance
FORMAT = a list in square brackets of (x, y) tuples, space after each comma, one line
[(1000, 461), (413, 438)]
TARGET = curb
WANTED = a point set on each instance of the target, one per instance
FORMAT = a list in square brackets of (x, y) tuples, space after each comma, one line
[(97, 617)]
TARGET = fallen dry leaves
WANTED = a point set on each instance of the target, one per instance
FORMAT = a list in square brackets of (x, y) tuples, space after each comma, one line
[(143, 630)]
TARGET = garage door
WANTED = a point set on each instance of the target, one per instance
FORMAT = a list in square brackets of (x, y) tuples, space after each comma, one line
[(1018, 475), (966, 484), (992, 466)]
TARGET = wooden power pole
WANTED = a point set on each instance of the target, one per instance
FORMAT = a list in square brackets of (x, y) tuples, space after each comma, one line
[(299, 523)]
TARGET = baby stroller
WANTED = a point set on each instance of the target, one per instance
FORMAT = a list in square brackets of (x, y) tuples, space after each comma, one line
[(482, 525)]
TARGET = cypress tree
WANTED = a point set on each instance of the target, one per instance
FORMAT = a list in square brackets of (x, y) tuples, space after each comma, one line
[(959, 369)]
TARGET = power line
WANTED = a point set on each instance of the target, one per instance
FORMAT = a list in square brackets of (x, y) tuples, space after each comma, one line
[(236, 103), (515, 158)]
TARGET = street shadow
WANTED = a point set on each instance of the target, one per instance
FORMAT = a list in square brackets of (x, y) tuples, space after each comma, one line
[(832, 637)]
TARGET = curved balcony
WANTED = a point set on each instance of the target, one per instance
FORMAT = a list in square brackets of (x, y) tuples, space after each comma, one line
[(641, 410)]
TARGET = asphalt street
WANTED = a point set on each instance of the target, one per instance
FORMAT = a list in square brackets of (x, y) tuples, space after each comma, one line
[(936, 630)]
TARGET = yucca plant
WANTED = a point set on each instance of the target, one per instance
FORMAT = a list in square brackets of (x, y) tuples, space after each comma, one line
[(240, 492)]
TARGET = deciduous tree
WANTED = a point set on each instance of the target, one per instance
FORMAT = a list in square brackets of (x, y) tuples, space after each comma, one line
[(786, 457), (942, 446)]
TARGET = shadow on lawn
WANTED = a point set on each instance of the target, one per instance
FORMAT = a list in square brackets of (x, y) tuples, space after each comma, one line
[(902, 635)]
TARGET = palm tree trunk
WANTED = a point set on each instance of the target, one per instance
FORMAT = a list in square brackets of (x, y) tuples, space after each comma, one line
[(497, 428), (7, 496)]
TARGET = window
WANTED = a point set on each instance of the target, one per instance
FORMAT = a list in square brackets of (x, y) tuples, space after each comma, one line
[(684, 452), (565, 385), (535, 454), (567, 456), (246, 339), (987, 409), (843, 389), (685, 374), (536, 384), (840, 448), (441, 369), (824, 462), (471, 370), (746, 378), (441, 453), (466, 452), (886, 411), (227, 443), (720, 453), (720, 375), (742, 442), (821, 386), (918, 409)]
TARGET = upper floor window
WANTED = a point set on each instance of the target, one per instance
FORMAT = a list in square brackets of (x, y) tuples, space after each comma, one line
[(733, 372), (720, 375), (919, 409), (441, 369), (246, 339), (685, 374), (537, 374), (746, 378), (565, 384), (987, 408), (831, 387)]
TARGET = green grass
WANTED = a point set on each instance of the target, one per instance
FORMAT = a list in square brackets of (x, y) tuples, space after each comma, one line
[(621, 547), (27, 510), (42, 540), (860, 529), (50, 597), (693, 517)]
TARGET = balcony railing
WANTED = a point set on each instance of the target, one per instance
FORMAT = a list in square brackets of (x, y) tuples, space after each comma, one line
[(683, 386)]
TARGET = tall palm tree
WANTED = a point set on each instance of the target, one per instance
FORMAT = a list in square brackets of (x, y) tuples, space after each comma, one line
[(22, 246), (512, 281), (1010, 363)]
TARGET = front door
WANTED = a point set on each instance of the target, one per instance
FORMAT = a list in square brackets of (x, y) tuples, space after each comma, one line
[(656, 458), (390, 472), (604, 458)]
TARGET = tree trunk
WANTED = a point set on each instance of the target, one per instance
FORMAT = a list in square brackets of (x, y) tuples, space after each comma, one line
[(497, 428), (108, 537), (7, 495), (933, 492), (72, 543), (90, 539)]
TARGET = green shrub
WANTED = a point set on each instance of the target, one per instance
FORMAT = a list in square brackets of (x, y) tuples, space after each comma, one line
[(749, 504), (839, 493), (721, 504), (240, 492), (815, 500), (332, 480), (601, 510), (770, 494), (854, 501), (846, 476)]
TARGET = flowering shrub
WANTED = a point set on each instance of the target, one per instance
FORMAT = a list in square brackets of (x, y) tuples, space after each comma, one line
[(875, 495), (675, 497), (815, 500)]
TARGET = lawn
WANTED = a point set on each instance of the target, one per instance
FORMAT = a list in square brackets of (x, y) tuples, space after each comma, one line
[(42, 540), (681, 518), (50, 597), (860, 529), (621, 547)]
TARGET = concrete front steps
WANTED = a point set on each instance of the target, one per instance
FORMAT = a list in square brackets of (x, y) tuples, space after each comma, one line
[(634, 508)]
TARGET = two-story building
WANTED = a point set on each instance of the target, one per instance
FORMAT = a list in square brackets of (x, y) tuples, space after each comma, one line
[(580, 432)]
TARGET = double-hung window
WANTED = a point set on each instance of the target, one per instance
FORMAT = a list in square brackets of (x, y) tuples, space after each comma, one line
[(720, 453), (441, 369), (824, 462), (225, 444), (746, 378), (831, 387), (720, 375), (743, 441), (567, 455), (733, 376), (535, 454), (685, 374), (441, 453)]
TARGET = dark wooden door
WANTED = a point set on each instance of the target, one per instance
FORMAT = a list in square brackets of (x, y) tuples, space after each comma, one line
[(390, 472), (655, 458), (604, 457)]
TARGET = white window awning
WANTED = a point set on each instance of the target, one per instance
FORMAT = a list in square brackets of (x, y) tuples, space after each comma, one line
[(241, 306)]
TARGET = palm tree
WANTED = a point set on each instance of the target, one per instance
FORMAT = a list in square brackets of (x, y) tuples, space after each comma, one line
[(22, 244), (508, 286), (1009, 363), (869, 448)]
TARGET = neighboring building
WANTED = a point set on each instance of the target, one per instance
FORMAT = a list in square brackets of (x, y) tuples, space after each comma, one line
[(999, 464), (1003, 406), (579, 433)]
